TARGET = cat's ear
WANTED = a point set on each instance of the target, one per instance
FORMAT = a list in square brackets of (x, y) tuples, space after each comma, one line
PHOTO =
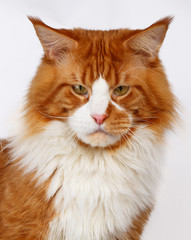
[(149, 40), (55, 43)]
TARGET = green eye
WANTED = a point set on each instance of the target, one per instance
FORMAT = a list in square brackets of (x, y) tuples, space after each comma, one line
[(80, 90), (121, 90)]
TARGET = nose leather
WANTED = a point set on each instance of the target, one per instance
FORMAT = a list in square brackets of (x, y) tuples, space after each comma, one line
[(99, 118)]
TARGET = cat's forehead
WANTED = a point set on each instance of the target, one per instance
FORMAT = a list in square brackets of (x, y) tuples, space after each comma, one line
[(102, 46), (100, 54)]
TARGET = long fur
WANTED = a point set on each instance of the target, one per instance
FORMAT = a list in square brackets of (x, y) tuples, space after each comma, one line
[(63, 175), (100, 192)]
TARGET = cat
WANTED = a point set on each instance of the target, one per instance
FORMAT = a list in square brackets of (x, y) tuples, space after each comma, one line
[(84, 157)]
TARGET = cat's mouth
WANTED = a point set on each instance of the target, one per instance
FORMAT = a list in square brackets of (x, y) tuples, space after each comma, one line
[(101, 138), (100, 131), (98, 136)]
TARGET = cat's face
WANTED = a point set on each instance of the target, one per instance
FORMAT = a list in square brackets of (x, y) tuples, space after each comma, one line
[(102, 84), (100, 121)]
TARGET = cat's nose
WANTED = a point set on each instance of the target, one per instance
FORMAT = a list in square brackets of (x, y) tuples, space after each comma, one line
[(99, 118)]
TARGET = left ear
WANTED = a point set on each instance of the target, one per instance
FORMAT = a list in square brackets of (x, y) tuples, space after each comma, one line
[(149, 40), (55, 43)]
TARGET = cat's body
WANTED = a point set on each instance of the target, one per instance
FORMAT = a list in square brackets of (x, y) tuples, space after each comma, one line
[(84, 158)]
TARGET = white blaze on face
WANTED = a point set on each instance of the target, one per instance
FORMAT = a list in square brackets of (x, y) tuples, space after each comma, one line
[(100, 97), (82, 123)]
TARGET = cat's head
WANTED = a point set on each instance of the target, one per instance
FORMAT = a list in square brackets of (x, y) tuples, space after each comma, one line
[(102, 84)]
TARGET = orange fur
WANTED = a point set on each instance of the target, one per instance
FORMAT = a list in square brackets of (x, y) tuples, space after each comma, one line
[(138, 225), (24, 210), (102, 53), (117, 56)]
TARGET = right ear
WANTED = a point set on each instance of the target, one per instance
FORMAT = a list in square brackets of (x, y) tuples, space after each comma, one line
[(55, 44), (149, 40)]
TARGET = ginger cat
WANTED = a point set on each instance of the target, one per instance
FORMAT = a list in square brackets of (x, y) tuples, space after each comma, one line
[(83, 161)]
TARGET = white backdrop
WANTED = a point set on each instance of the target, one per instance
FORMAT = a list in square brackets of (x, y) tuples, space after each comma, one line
[(20, 53)]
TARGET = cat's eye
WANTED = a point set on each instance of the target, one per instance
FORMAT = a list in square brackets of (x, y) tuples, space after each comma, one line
[(80, 90), (121, 90)]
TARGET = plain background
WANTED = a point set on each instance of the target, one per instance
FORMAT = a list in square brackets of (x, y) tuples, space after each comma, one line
[(20, 53)]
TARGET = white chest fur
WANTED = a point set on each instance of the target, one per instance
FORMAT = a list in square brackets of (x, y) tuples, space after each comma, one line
[(99, 192)]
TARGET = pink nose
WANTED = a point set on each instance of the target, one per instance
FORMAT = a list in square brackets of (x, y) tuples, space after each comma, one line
[(99, 118)]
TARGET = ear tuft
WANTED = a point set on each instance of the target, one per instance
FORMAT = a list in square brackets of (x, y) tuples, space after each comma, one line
[(55, 44), (35, 20), (149, 40), (166, 21)]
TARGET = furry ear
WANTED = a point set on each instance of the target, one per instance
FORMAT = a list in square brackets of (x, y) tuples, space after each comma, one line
[(149, 40), (55, 43)]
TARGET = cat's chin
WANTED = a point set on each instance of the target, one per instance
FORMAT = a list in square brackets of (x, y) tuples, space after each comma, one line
[(100, 139)]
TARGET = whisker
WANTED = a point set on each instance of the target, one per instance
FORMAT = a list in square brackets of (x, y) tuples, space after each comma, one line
[(136, 139), (136, 143), (127, 140), (46, 115), (140, 117)]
